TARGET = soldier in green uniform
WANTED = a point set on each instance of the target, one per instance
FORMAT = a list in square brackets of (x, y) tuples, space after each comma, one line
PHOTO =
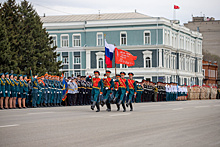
[(108, 86), (7, 89), (116, 91), (2, 90), (21, 91), (139, 92), (40, 92), (97, 88), (12, 91), (16, 90), (123, 90), (132, 91), (35, 91), (25, 91)]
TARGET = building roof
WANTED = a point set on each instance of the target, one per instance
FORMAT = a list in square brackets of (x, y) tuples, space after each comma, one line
[(86, 17)]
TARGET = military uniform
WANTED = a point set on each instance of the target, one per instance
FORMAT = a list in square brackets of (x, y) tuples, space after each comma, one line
[(79, 94), (7, 86), (40, 93), (47, 92), (151, 93), (13, 88), (83, 92), (139, 93), (132, 91), (35, 92), (97, 89), (123, 91), (108, 86), (88, 92)]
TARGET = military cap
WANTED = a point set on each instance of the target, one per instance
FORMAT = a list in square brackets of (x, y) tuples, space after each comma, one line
[(130, 73), (108, 71), (46, 74), (10, 75), (118, 75), (20, 76), (122, 73), (83, 76), (6, 73), (1, 74), (78, 75), (96, 72), (14, 75), (104, 75), (24, 75)]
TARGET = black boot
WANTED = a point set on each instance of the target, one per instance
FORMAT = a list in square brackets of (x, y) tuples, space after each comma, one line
[(128, 103), (118, 106), (98, 108), (123, 105), (93, 105), (108, 107), (131, 107), (103, 102)]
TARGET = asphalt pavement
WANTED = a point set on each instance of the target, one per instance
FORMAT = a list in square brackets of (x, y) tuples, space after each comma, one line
[(161, 124)]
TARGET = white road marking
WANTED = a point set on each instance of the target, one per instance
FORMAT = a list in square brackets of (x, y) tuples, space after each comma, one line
[(6, 126), (40, 113), (120, 114), (150, 105), (202, 106), (177, 109)]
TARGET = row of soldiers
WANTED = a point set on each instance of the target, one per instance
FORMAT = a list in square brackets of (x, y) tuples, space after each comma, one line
[(35, 92)]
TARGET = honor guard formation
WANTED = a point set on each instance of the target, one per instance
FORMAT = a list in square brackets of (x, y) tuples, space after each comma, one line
[(17, 91)]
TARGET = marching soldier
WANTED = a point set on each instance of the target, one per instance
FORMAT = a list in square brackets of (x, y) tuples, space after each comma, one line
[(139, 92), (108, 86), (116, 91), (123, 90), (7, 89), (97, 89), (2, 89), (132, 91)]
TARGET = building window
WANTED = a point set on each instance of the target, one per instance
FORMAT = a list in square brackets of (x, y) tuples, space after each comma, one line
[(66, 74), (54, 38), (76, 40), (101, 63), (146, 37), (64, 40), (76, 73), (65, 60), (168, 38), (123, 38), (77, 60), (99, 39), (148, 64)]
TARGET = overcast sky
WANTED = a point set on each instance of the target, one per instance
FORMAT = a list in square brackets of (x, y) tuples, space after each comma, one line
[(155, 8)]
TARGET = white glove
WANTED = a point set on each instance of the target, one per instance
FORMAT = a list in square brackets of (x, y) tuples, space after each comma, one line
[(38, 94), (126, 94), (10, 92), (1, 92), (18, 92), (57, 92), (113, 80), (35, 77), (134, 95), (106, 88), (83, 92), (100, 94), (116, 89), (48, 91), (6, 91)]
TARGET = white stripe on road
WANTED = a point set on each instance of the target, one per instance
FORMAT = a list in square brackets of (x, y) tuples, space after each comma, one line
[(202, 106), (178, 109), (5, 126), (150, 105), (40, 113), (120, 114)]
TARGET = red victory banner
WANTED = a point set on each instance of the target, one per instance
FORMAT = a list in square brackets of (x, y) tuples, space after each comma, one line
[(176, 7), (124, 57)]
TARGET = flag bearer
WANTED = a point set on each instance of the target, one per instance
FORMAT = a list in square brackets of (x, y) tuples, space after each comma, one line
[(123, 90), (132, 90), (7, 89), (2, 89), (108, 86), (96, 89), (139, 92)]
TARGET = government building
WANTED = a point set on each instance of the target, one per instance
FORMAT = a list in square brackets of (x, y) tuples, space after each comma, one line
[(166, 52)]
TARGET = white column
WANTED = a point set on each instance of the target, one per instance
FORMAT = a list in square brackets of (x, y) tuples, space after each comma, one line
[(160, 57), (88, 62)]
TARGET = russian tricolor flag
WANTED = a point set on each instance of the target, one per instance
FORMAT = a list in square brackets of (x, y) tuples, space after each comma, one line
[(109, 51)]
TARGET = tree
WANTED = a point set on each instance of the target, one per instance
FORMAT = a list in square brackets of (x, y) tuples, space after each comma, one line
[(31, 42)]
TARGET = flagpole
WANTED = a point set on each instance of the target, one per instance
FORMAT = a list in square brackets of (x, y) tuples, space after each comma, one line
[(115, 62), (105, 55)]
